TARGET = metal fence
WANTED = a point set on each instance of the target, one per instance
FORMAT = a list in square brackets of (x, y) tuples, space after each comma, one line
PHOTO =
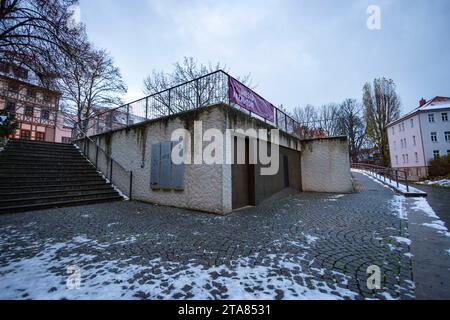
[(383, 173), (113, 171), (204, 91)]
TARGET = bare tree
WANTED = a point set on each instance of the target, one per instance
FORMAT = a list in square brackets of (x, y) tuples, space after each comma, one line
[(90, 83), (193, 94), (381, 107), (351, 124), (328, 118), (33, 32), (307, 115)]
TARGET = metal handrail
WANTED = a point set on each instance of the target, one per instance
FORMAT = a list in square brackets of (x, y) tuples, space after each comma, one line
[(98, 149), (384, 173)]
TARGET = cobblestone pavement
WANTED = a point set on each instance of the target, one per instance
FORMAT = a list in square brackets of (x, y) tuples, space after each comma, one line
[(308, 246)]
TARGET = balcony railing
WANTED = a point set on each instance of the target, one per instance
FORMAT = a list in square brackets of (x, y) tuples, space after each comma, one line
[(204, 91)]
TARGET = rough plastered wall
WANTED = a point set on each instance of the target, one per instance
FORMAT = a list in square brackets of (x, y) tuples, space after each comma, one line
[(325, 165), (206, 187)]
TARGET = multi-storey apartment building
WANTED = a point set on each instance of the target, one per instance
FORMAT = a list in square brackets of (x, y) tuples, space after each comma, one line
[(420, 136), (34, 108)]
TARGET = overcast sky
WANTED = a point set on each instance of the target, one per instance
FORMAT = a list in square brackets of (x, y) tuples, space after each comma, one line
[(298, 52)]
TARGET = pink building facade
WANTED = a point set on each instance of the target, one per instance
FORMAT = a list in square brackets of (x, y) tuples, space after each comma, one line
[(420, 136)]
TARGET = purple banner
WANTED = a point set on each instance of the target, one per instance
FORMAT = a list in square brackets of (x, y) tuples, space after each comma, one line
[(246, 98)]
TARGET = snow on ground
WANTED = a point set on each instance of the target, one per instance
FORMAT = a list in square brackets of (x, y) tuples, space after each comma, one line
[(398, 204), (442, 183), (403, 240), (422, 205), (390, 183), (45, 276)]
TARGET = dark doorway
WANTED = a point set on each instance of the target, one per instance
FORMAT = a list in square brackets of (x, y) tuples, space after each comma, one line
[(286, 171), (243, 178)]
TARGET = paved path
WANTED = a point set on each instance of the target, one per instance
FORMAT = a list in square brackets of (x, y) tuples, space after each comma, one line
[(308, 246), (439, 199)]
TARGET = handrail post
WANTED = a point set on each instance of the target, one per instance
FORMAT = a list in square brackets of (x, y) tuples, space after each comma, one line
[(170, 98), (128, 115), (96, 155), (110, 169), (396, 177), (131, 185), (406, 182), (146, 108)]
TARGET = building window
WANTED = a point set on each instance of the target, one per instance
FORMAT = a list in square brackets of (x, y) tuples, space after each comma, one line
[(407, 158), (445, 117), (393, 130), (25, 134), (66, 140), (404, 159), (13, 87), (414, 141), (11, 107), (395, 145), (46, 98), (404, 143), (412, 123), (416, 155), (40, 136), (31, 93), (45, 114), (396, 159), (436, 154), (434, 137), (447, 136), (403, 127), (68, 123), (431, 118), (29, 111)]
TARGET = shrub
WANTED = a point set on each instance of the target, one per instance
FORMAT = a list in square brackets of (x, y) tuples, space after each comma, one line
[(440, 167)]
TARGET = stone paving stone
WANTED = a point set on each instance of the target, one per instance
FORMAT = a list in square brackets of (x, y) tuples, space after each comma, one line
[(305, 239)]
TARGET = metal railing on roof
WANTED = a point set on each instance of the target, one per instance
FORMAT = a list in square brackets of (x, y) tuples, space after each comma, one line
[(207, 90)]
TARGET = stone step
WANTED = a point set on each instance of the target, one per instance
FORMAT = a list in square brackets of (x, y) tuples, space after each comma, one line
[(41, 157), (60, 204), (49, 181), (55, 198), (43, 194), (45, 167), (47, 187), (5, 162), (38, 172), (44, 144)]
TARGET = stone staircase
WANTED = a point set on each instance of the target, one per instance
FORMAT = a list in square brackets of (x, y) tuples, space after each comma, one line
[(43, 175)]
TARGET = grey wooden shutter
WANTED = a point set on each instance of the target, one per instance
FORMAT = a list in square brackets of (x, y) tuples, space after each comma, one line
[(178, 169), (166, 164), (155, 166)]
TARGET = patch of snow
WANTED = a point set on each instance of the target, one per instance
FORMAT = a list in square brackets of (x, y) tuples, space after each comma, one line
[(310, 239), (403, 240), (442, 183), (398, 204), (44, 276), (422, 205), (389, 183)]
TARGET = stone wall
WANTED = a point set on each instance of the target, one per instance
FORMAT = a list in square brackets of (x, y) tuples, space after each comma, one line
[(205, 187), (326, 165)]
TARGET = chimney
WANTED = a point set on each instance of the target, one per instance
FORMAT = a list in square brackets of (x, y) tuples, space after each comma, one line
[(423, 102)]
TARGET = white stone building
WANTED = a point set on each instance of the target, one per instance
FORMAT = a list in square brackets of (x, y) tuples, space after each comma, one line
[(420, 136)]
